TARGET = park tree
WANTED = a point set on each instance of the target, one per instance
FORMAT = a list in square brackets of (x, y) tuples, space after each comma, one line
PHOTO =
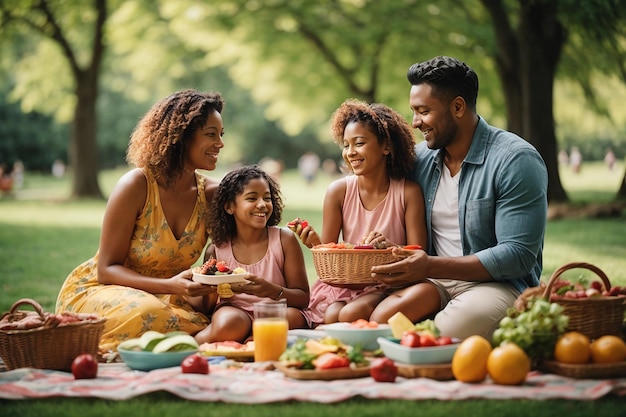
[(533, 39), (76, 30), (309, 55)]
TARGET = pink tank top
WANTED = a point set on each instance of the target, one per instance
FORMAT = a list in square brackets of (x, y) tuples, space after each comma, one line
[(387, 217), (270, 267)]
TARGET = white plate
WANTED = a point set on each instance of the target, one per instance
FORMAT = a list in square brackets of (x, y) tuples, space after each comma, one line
[(219, 279)]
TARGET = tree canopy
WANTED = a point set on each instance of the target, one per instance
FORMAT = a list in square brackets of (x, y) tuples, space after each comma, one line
[(288, 64)]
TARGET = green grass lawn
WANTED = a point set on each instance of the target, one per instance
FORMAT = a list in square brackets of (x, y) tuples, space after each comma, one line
[(43, 237)]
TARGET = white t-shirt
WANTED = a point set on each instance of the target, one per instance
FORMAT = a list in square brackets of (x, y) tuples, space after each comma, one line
[(445, 217)]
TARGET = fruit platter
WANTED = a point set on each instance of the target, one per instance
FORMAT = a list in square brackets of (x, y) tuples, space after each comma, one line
[(214, 272), (229, 349), (323, 359)]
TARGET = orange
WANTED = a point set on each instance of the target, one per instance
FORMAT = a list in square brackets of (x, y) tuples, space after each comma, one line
[(469, 363), (572, 347), (508, 364), (608, 349)]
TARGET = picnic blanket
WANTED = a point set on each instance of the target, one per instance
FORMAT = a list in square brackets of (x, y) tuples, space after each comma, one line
[(253, 385)]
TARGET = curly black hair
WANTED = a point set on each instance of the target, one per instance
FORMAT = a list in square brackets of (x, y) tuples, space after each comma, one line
[(160, 140), (222, 227), (387, 124), (448, 77)]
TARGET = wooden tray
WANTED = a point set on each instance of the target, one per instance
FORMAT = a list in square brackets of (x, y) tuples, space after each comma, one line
[(440, 371), (245, 353), (590, 370), (326, 374)]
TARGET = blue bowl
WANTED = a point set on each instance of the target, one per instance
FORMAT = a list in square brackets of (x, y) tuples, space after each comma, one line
[(418, 355), (140, 360)]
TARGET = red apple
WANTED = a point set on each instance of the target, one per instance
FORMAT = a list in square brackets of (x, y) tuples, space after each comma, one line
[(195, 364), (85, 366)]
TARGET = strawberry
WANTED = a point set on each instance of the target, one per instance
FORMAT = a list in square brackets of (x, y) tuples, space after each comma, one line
[(222, 267)]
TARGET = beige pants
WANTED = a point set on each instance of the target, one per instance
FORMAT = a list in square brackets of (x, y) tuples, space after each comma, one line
[(472, 308)]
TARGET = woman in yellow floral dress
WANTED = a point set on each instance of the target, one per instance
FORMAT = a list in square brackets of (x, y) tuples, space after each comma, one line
[(155, 227)]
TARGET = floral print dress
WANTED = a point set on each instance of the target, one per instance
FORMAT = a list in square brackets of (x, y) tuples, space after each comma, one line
[(154, 252)]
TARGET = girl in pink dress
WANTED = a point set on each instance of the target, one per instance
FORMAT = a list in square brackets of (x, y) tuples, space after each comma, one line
[(375, 205), (248, 206)]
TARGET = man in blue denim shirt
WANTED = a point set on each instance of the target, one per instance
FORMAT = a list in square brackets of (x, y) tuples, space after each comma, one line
[(485, 191)]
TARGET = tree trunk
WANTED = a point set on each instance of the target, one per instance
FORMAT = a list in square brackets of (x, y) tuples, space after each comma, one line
[(526, 63), (83, 149), (541, 40), (83, 152)]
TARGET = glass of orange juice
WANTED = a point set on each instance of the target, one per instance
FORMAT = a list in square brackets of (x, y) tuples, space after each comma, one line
[(269, 330)]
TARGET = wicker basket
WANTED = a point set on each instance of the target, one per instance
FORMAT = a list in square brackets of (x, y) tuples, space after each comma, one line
[(593, 316), (349, 268), (587, 370), (48, 347)]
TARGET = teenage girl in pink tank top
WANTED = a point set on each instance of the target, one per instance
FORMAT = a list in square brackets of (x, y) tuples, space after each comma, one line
[(247, 207), (375, 205)]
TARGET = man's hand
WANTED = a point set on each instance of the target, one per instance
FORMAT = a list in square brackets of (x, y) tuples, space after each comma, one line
[(411, 268)]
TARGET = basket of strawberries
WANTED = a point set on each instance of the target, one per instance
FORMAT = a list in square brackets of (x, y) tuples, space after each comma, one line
[(596, 309)]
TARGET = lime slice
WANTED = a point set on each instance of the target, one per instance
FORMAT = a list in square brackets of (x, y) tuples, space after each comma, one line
[(176, 344), (131, 344), (146, 340), (175, 333)]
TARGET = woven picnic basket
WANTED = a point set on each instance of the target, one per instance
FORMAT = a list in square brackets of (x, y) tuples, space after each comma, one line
[(349, 267), (47, 347), (592, 316)]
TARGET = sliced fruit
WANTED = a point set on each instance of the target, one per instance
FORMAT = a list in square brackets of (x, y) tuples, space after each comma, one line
[(131, 344), (176, 344), (400, 323), (148, 337), (316, 348)]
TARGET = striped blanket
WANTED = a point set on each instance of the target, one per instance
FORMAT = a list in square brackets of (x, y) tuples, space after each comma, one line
[(250, 384)]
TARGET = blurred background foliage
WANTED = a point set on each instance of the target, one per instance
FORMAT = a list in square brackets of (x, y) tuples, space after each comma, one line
[(283, 67)]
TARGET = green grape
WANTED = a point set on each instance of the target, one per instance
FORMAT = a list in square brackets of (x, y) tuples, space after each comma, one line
[(535, 330)]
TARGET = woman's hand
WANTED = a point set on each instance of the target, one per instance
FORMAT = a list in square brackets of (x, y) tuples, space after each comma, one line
[(184, 285), (410, 268)]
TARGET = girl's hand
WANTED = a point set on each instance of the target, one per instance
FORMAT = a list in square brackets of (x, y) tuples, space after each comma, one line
[(309, 237), (257, 286), (376, 239)]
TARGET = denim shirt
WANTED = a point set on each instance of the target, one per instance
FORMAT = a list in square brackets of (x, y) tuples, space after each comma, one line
[(502, 202)]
